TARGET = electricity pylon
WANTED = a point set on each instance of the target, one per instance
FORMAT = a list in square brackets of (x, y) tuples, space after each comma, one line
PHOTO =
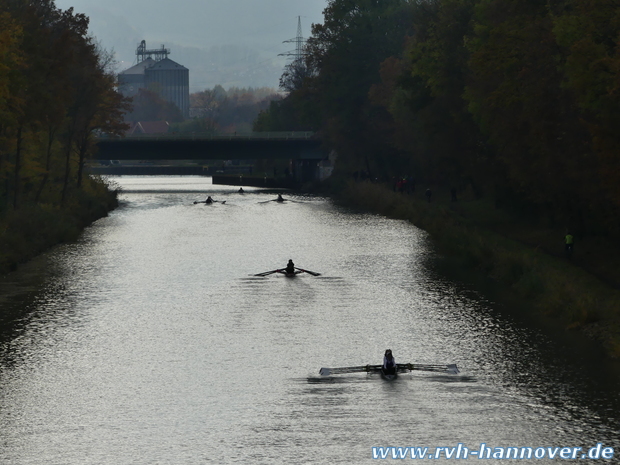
[(299, 44)]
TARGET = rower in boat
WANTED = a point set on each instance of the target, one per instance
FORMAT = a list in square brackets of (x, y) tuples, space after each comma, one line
[(290, 271), (279, 199), (398, 368), (389, 364), (209, 201), (241, 191)]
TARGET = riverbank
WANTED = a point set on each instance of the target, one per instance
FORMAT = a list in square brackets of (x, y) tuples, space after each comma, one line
[(32, 229), (582, 293)]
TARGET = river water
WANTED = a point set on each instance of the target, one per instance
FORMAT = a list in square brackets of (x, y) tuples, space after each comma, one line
[(149, 342)]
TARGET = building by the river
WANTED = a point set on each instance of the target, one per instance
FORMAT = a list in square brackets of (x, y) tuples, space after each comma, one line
[(158, 73)]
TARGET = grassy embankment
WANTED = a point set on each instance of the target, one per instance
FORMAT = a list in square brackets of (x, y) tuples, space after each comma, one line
[(582, 293), (32, 229)]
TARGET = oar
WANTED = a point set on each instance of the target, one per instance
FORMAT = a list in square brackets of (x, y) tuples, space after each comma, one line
[(286, 200), (452, 368), (401, 367), (269, 272), (277, 200), (313, 273), (359, 369), (213, 201), (342, 370)]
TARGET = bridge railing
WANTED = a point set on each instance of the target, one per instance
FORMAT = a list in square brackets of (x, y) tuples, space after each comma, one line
[(280, 135)]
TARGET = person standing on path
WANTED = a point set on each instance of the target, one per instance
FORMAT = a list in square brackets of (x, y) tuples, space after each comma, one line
[(569, 242)]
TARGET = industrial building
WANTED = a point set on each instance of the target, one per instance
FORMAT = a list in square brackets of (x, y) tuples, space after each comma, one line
[(158, 73)]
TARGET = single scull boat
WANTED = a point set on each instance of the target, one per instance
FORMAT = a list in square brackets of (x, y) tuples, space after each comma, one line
[(288, 274), (400, 368)]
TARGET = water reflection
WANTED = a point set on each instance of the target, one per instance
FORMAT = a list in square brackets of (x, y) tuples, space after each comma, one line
[(149, 341)]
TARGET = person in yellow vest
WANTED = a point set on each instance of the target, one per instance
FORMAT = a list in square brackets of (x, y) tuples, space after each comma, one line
[(569, 241)]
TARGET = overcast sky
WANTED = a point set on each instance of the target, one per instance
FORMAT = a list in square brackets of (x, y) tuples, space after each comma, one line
[(260, 25)]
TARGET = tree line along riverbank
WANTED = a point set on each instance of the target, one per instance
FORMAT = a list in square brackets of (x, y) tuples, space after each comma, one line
[(582, 294), (57, 93)]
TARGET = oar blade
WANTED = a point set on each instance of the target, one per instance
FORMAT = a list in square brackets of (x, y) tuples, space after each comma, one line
[(313, 273)]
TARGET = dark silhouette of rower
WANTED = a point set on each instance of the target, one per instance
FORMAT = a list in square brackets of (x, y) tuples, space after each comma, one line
[(290, 267), (209, 200), (241, 190), (389, 364), (280, 198)]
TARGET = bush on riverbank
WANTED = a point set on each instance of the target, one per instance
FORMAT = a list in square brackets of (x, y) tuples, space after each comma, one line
[(32, 229), (552, 285)]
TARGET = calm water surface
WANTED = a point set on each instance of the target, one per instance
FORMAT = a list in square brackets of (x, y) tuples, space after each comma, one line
[(149, 342)]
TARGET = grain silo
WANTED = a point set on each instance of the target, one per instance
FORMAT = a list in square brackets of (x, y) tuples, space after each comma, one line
[(156, 72), (131, 80), (171, 81)]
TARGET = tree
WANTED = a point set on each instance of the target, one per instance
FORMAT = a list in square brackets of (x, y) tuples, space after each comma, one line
[(149, 106), (437, 139), (103, 109), (517, 96), (295, 74), (11, 63), (342, 59), (54, 94), (205, 104), (588, 33), (232, 110)]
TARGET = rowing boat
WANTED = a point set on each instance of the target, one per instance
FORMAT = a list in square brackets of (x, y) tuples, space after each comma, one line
[(389, 375), (288, 274), (400, 368)]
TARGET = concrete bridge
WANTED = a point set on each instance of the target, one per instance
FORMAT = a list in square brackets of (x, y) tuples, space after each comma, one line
[(303, 149)]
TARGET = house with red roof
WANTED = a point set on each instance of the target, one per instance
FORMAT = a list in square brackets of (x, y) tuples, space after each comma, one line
[(148, 127)]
